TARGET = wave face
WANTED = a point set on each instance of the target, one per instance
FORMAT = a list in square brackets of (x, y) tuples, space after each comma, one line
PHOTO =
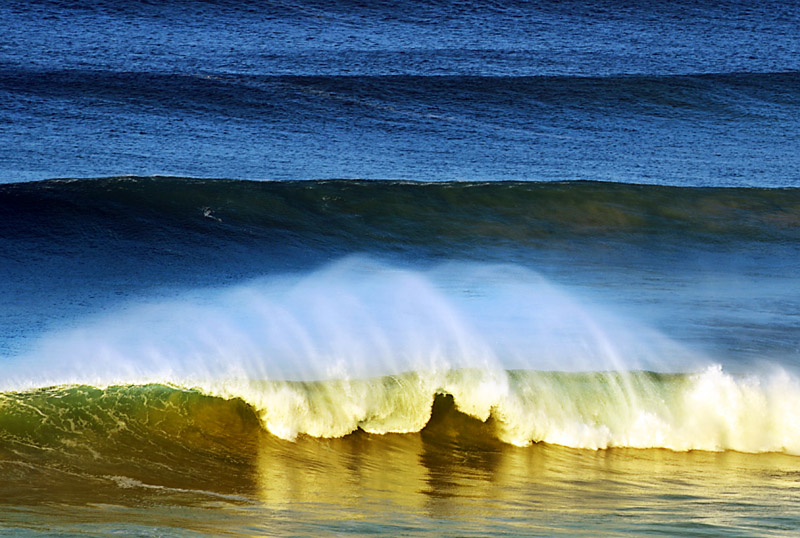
[(157, 443), (141, 457), (710, 410)]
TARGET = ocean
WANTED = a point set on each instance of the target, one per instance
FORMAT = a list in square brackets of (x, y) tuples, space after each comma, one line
[(342, 268)]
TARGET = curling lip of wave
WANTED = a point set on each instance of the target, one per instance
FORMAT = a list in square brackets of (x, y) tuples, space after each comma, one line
[(709, 410)]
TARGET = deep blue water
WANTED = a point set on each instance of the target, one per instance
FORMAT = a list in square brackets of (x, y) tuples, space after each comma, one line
[(680, 93)]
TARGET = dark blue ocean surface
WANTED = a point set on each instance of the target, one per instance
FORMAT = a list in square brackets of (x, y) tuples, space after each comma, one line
[(680, 93)]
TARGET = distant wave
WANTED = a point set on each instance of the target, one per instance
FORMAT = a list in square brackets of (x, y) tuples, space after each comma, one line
[(720, 129), (285, 97), (363, 215)]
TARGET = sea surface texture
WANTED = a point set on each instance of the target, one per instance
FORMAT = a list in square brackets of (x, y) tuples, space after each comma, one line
[(457, 268)]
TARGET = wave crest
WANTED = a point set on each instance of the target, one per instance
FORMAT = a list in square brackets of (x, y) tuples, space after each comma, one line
[(710, 410)]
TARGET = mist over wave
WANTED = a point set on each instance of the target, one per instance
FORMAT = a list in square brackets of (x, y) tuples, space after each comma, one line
[(365, 345), (353, 319), (711, 268)]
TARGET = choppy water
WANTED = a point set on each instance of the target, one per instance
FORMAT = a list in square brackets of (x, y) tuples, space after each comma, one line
[(466, 269)]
